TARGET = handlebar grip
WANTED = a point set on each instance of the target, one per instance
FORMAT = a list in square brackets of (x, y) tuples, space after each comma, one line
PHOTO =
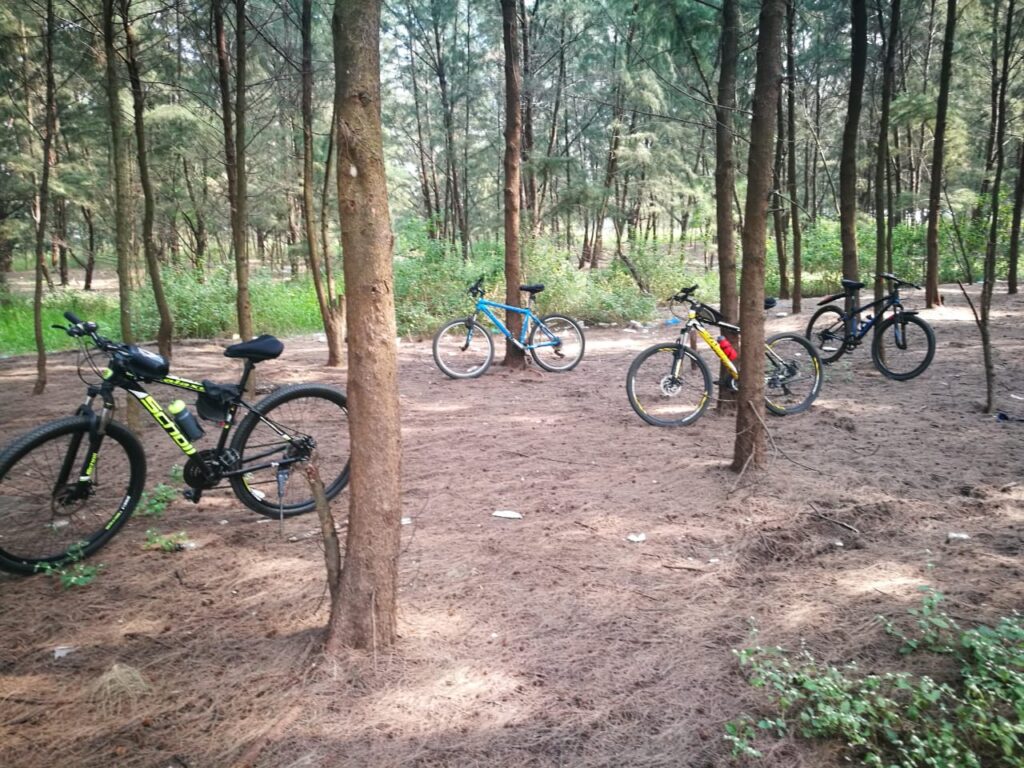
[(72, 318)]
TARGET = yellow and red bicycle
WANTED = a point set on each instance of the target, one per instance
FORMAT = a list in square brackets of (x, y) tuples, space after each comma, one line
[(669, 385)]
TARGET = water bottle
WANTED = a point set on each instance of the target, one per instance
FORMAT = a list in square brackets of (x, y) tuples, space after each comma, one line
[(186, 422), (729, 349)]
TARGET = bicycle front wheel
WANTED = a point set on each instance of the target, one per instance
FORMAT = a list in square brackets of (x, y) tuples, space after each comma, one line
[(792, 374), (668, 385), (557, 344), (48, 515), (294, 425), (463, 349), (827, 332), (903, 347)]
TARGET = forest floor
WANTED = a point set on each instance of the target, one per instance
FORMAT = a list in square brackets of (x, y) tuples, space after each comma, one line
[(550, 640)]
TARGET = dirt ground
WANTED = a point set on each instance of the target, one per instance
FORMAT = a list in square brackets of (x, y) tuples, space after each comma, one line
[(547, 641)]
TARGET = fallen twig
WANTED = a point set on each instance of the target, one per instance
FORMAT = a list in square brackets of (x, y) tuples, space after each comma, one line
[(827, 519)]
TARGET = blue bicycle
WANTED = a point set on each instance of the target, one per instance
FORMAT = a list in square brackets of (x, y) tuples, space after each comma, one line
[(463, 349), (903, 345)]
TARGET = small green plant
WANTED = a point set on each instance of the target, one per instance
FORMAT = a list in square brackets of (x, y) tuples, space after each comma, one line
[(172, 542), (72, 572), (155, 501), (971, 718), (177, 473)]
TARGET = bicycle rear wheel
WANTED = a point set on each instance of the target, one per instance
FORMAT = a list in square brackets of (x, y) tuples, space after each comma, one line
[(298, 423), (47, 516), (827, 333), (668, 385), (792, 374), (557, 344), (903, 347), (463, 349)]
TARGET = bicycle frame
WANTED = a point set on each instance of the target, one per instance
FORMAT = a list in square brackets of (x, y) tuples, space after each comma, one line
[(485, 306), (857, 328)]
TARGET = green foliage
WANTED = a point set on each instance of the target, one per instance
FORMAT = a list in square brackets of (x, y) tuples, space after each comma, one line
[(971, 716), (72, 572), (154, 502), (171, 542)]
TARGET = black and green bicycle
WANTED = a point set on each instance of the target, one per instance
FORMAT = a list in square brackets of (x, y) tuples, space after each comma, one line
[(67, 487)]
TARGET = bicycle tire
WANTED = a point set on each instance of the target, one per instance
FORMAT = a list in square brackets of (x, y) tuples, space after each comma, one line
[(827, 332), (793, 382), (568, 349), (317, 411), (43, 526), (885, 347), (463, 356), (656, 390)]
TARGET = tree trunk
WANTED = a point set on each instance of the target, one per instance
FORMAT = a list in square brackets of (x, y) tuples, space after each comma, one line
[(1018, 204), (530, 176), (122, 202), (848, 156), (993, 234), (240, 216), (882, 161), (328, 311), (166, 329), (725, 179), (751, 433), (515, 357), (791, 136), (931, 289), (777, 206), (364, 613), (49, 129)]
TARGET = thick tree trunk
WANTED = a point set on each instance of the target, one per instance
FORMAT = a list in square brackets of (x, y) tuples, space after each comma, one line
[(725, 179), (848, 156), (364, 613), (166, 329), (931, 291), (515, 357), (751, 433), (328, 311)]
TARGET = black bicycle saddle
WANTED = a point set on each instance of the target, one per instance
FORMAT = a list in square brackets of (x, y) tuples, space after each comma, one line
[(261, 348)]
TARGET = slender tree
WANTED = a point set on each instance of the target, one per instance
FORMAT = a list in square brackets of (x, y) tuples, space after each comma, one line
[(329, 309), (794, 206), (882, 157), (931, 292), (848, 155), (363, 612), (725, 181), (514, 354), (751, 433), (49, 129), (149, 248)]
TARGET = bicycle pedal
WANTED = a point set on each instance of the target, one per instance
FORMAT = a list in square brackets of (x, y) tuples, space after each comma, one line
[(193, 494)]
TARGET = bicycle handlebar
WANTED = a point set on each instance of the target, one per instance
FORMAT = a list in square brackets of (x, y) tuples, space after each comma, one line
[(80, 328), (898, 282), (475, 290)]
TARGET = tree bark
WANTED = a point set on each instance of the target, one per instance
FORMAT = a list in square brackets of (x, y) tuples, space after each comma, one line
[(166, 329), (993, 234), (328, 310), (364, 615), (931, 288), (515, 357), (791, 159), (1018, 205), (725, 179), (751, 433), (848, 156), (49, 129), (122, 227), (778, 216), (882, 159)]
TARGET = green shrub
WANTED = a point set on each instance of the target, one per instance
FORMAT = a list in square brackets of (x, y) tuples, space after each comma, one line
[(973, 718)]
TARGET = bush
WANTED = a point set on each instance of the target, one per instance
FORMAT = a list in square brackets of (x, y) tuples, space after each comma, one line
[(971, 720)]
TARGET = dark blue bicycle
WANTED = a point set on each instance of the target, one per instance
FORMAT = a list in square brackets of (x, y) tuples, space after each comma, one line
[(903, 345), (463, 349)]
